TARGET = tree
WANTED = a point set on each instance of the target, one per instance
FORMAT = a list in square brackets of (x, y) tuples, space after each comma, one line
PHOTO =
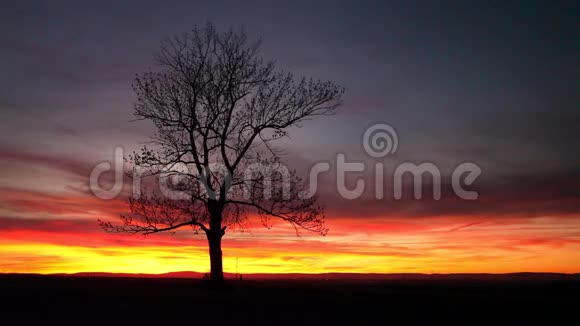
[(217, 106)]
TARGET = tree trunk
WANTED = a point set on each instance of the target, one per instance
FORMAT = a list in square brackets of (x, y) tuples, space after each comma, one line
[(214, 239)]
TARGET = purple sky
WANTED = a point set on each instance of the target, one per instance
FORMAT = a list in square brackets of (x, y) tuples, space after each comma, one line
[(494, 84)]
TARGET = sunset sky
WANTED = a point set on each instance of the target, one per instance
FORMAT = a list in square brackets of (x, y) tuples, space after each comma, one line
[(493, 84)]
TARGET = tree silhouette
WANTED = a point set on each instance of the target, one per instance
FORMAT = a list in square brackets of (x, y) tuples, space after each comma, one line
[(217, 106)]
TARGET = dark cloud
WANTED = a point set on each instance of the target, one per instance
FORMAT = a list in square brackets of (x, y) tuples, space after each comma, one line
[(509, 197), (47, 225), (54, 161)]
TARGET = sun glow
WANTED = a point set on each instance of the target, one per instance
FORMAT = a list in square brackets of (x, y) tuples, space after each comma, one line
[(396, 247)]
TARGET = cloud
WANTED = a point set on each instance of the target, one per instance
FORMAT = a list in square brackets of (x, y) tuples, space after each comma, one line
[(531, 196), (506, 196), (62, 163)]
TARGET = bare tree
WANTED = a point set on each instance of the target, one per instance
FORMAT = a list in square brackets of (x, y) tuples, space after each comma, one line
[(217, 106)]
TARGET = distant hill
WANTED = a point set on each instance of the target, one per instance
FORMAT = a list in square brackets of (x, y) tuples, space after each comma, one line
[(342, 276), (136, 275)]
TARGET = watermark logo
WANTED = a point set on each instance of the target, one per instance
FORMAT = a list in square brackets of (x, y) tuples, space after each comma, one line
[(378, 141), (116, 168)]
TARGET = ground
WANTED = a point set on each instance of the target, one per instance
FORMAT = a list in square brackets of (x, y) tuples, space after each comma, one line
[(297, 302)]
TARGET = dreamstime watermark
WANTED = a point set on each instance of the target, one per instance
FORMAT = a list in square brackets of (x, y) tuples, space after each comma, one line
[(378, 141)]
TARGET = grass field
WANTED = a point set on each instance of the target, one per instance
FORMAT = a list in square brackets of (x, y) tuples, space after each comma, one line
[(298, 302)]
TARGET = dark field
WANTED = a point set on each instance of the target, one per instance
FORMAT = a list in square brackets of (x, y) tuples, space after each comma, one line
[(298, 302)]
